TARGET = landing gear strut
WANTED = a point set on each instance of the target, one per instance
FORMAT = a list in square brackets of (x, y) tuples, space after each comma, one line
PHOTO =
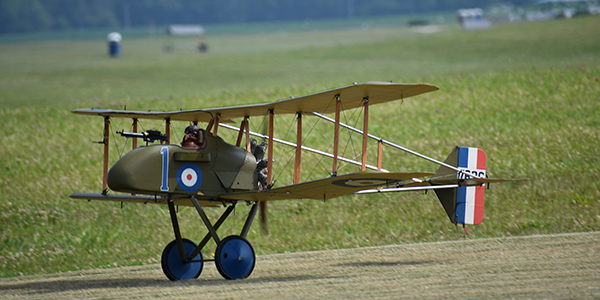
[(234, 258)]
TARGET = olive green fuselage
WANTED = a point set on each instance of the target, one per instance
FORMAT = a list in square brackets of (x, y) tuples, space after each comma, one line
[(165, 170)]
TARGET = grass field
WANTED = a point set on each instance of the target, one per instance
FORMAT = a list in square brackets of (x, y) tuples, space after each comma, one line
[(527, 93)]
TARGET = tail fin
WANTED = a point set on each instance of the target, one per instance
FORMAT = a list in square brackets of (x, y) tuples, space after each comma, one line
[(463, 204)]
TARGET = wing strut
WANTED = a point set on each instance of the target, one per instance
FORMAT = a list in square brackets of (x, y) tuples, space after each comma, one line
[(270, 147), (336, 134), (135, 129), (248, 143), (241, 133), (365, 134), (298, 160), (216, 125), (379, 153), (105, 142), (168, 130)]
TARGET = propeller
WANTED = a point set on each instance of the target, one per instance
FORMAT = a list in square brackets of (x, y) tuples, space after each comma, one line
[(259, 150)]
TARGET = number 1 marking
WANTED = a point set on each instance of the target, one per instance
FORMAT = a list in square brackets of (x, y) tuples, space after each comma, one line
[(165, 169)]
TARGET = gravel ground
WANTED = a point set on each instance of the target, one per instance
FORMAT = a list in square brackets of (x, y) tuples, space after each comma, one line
[(563, 266)]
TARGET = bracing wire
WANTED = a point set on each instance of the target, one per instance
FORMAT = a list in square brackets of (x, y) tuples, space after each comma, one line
[(321, 157), (116, 146), (351, 133), (282, 150), (174, 128), (314, 125)]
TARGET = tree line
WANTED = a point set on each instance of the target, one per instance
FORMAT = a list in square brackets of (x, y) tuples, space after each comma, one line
[(40, 15)]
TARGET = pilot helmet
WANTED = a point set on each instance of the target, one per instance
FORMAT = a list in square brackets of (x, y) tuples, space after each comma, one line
[(193, 130)]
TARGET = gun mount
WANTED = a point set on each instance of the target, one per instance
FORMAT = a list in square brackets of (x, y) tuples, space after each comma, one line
[(148, 136)]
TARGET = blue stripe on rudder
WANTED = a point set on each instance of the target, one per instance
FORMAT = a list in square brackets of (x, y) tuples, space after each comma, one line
[(463, 157), (461, 202)]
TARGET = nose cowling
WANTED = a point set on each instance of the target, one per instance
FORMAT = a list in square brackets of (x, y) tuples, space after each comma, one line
[(137, 171)]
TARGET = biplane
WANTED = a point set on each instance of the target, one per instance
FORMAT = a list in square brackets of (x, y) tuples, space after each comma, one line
[(214, 173)]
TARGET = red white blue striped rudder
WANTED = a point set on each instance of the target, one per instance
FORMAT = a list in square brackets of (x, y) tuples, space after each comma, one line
[(464, 205), (469, 199)]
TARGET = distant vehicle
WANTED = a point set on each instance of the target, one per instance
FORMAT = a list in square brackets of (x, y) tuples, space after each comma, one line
[(174, 31), (205, 171), (472, 18)]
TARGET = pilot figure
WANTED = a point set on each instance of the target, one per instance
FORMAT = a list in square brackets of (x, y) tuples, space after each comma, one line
[(193, 138), (258, 150)]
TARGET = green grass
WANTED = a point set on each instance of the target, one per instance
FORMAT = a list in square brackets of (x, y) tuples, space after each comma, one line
[(525, 93)]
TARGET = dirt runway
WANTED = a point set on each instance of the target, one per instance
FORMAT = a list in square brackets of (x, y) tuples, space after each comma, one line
[(563, 266)]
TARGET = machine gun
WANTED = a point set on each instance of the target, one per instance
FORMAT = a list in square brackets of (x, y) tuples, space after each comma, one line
[(147, 136)]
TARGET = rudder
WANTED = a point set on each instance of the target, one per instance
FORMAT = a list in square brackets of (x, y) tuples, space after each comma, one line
[(463, 204)]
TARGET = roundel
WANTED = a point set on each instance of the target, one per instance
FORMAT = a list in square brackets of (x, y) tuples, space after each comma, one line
[(189, 177), (361, 182)]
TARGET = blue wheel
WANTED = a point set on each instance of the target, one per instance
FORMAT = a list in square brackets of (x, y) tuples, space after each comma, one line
[(235, 258), (174, 268)]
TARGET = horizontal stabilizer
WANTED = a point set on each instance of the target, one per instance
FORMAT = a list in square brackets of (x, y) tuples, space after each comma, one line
[(469, 181)]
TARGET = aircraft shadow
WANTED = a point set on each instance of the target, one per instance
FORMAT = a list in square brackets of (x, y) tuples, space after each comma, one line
[(42, 287), (83, 284)]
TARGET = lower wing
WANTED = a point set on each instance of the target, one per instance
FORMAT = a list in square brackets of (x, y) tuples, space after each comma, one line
[(319, 189), (328, 188)]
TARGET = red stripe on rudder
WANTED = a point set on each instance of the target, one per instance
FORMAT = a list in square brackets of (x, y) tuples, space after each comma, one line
[(480, 159), (478, 210)]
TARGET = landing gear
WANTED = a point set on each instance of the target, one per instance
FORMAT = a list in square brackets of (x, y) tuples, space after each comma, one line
[(235, 258), (175, 268)]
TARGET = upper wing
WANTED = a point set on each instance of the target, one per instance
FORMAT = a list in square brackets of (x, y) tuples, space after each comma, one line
[(351, 97), (198, 115), (327, 188)]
